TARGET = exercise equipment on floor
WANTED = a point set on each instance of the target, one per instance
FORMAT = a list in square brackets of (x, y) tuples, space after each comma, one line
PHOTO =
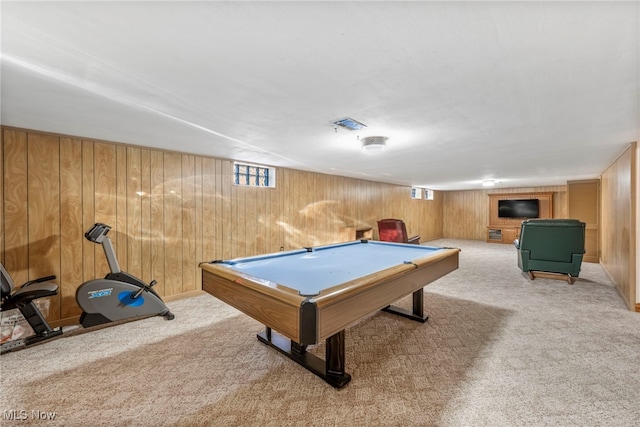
[(116, 298)]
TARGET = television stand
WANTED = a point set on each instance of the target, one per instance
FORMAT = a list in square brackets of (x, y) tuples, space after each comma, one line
[(502, 234)]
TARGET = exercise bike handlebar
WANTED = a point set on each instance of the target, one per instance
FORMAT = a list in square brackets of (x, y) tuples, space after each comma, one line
[(97, 233)]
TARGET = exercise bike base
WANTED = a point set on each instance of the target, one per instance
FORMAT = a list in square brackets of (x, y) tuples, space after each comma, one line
[(93, 319), (68, 331), (19, 344), (88, 320)]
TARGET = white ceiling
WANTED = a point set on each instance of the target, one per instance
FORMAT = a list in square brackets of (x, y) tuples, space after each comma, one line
[(526, 93)]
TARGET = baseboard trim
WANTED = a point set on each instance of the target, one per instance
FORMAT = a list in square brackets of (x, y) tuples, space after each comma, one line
[(629, 304), (184, 295)]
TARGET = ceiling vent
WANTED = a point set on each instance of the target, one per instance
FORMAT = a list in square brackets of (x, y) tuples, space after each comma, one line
[(350, 124)]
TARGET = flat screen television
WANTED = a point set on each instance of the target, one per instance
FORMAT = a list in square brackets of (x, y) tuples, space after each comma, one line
[(525, 208)]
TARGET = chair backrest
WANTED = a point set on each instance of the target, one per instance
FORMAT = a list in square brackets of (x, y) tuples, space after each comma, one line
[(552, 239), (392, 230), (5, 281)]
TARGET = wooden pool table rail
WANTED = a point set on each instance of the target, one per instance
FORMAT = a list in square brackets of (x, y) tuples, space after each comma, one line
[(272, 307)]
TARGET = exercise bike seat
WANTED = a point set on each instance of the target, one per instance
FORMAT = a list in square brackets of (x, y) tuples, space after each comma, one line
[(30, 291), (26, 294)]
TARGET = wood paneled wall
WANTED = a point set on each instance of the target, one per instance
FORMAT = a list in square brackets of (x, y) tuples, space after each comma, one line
[(466, 213), (619, 218), (169, 212)]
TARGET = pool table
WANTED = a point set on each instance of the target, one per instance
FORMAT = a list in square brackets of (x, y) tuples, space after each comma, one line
[(308, 295)]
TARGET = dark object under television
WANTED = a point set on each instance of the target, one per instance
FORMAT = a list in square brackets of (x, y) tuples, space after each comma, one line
[(524, 208)]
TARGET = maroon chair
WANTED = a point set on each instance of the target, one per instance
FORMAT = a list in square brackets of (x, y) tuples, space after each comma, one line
[(394, 230)]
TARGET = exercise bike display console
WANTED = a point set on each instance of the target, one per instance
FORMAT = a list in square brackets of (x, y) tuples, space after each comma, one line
[(120, 296)]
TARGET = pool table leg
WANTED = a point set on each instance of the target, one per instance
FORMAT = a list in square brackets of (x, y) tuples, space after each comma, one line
[(332, 369), (335, 355), (418, 308)]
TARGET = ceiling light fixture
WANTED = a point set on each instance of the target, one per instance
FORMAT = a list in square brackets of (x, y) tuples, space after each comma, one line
[(374, 143), (488, 183)]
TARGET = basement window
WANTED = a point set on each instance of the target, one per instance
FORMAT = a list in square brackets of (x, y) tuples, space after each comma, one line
[(249, 175)]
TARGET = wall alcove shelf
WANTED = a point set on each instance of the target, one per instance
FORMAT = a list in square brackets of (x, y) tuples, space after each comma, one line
[(506, 230)]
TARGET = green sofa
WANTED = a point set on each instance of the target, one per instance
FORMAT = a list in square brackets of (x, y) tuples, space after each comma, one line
[(551, 246)]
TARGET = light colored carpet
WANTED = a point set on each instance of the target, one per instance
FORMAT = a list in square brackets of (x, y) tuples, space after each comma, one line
[(498, 350)]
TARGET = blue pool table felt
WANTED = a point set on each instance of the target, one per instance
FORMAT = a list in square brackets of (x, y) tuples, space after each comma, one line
[(327, 266)]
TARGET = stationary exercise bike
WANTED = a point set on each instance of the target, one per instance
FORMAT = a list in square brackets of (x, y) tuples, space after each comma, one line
[(116, 298)]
